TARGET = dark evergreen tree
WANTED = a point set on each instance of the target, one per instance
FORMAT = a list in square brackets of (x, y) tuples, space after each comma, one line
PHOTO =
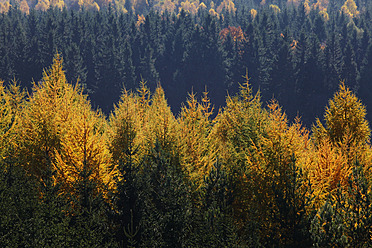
[(216, 227), (18, 204), (89, 225), (165, 201)]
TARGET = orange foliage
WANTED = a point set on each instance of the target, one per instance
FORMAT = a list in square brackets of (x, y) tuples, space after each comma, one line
[(294, 45), (253, 13), (140, 20), (236, 33), (350, 9), (227, 5), (24, 7)]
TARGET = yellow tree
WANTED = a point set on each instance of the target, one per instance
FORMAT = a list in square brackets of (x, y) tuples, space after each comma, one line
[(189, 6), (57, 3), (340, 142), (125, 127), (276, 165), (321, 5), (264, 155), (236, 129), (226, 5), (275, 8), (84, 147), (11, 99), (196, 149), (253, 13), (238, 124), (160, 123), (350, 9), (60, 132), (23, 6), (42, 5)]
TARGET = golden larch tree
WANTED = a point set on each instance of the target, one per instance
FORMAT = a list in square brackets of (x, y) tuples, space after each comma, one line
[(196, 148), (340, 142), (60, 132), (11, 100)]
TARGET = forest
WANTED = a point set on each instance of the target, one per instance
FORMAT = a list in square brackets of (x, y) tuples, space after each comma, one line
[(148, 126)]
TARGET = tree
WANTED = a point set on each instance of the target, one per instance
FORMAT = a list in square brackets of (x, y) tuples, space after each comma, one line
[(350, 9), (165, 200), (59, 130), (340, 142), (216, 228), (125, 146), (196, 149), (18, 204)]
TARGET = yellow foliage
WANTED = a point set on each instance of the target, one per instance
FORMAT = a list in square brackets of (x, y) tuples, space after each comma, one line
[(4, 7), (23, 6), (253, 13), (345, 120), (120, 6), (60, 131), (202, 6), (242, 113), (307, 7), (140, 20), (212, 12), (275, 8), (340, 142), (127, 124), (10, 107), (160, 123), (57, 3), (124, 127), (328, 171), (321, 5), (196, 147), (42, 5), (226, 5), (350, 9), (324, 15), (190, 7)]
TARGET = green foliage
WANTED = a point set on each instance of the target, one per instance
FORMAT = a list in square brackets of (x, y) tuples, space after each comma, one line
[(346, 218), (215, 225), (165, 207), (18, 204), (149, 178)]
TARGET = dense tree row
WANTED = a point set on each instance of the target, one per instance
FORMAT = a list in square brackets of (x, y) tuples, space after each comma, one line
[(296, 54), (141, 7), (145, 178)]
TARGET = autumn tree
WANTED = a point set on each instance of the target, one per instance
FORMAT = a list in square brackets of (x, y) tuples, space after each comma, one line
[(59, 130), (11, 100), (196, 147), (125, 137), (277, 167), (343, 139), (350, 9)]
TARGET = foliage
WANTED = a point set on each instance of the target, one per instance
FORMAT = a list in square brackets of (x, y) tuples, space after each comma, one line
[(235, 171)]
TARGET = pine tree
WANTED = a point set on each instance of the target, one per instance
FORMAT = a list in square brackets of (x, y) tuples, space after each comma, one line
[(18, 204), (165, 200), (217, 228)]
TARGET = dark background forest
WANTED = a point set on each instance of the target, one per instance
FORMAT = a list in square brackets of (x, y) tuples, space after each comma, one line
[(134, 123), (296, 55)]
